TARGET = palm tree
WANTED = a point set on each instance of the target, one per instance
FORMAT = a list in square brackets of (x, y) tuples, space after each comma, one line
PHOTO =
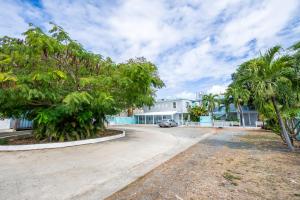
[(296, 60), (238, 96), (265, 76), (196, 111), (210, 101)]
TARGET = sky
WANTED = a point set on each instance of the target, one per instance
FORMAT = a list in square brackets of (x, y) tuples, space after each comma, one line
[(195, 44)]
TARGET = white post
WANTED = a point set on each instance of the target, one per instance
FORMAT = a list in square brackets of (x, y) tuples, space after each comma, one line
[(153, 119), (145, 118), (181, 118), (249, 118)]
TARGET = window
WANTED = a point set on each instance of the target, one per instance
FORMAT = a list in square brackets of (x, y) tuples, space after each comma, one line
[(174, 104), (187, 104)]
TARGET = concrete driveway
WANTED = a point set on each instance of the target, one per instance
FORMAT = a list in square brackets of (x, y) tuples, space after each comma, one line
[(92, 171)]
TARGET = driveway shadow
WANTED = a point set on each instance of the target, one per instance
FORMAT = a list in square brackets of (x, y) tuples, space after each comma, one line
[(233, 141)]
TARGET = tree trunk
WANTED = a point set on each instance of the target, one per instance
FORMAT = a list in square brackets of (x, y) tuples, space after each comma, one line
[(282, 126), (239, 112), (212, 119), (242, 115), (16, 124), (129, 112)]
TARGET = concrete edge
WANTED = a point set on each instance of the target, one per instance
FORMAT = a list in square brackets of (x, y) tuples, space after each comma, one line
[(59, 144), (6, 130), (12, 135)]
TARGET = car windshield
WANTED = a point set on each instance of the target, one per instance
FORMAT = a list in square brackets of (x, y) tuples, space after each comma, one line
[(165, 120)]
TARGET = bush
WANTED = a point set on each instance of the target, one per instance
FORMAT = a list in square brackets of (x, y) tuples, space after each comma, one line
[(66, 90), (3, 141)]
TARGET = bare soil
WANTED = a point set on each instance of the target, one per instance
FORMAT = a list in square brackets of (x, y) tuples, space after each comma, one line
[(255, 165), (29, 139)]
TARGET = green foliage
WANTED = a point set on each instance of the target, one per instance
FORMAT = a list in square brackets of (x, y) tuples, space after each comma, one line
[(237, 95), (271, 81), (232, 118), (66, 90), (231, 177), (3, 141), (210, 102), (272, 124), (196, 111)]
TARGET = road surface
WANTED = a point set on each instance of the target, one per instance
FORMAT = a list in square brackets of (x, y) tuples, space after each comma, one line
[(92, 171)]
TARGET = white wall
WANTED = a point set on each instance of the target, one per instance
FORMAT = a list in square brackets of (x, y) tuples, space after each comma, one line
[(5, 124), (167, 105)]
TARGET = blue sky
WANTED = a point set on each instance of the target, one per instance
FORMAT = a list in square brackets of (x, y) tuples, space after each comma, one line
[(196, 45)]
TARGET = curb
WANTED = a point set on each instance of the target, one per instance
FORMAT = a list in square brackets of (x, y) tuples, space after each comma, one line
[(58, 144)]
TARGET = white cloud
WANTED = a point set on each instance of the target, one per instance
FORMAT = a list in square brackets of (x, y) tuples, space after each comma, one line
[(217, 89), (194, 64), (188, 40), (261, 22), (186, 95), (11, 21)]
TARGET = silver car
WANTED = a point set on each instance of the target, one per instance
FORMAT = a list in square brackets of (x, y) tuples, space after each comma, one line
[(167, 123)]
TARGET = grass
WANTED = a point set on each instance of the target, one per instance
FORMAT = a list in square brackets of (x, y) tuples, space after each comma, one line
[(231, 178), (3, 141), (260, 137)]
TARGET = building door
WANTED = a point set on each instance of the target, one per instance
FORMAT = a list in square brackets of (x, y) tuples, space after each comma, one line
[(149, 119)]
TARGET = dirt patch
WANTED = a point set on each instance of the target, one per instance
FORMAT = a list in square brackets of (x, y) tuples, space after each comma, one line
[(253, 166), (29, 139)]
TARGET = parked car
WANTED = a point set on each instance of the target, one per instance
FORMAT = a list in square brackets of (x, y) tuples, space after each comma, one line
[(167, 123)]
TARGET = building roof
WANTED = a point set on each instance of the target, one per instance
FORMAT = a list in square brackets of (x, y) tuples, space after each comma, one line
[(157, 113), (178, 99)]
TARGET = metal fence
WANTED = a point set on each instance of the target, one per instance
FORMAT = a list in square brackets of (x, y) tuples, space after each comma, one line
[(21, 124), (219, 123)]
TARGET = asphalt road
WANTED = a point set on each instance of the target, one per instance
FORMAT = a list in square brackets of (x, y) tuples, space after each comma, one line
[(92, 171)]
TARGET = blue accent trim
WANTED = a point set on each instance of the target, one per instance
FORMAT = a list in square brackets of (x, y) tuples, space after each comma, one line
[(121, 120)]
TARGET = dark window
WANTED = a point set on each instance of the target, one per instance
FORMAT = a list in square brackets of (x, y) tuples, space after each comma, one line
[(174, 104), (187, 104)]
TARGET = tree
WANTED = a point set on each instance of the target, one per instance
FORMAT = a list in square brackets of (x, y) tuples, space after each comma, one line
[(238, 96), (296, 65), (268, 77), (196, 111), (135, 76), (210, 101), (66, 90)]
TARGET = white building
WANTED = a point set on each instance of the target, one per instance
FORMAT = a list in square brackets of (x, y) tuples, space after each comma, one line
[(176, 109), (5, 125)]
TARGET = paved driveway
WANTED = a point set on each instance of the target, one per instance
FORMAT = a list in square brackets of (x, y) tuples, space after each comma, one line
[(91, 171)]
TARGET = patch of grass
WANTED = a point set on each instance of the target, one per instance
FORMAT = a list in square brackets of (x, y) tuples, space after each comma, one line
[(3, 141), (231, 178), (260, 136), (229, 159)]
